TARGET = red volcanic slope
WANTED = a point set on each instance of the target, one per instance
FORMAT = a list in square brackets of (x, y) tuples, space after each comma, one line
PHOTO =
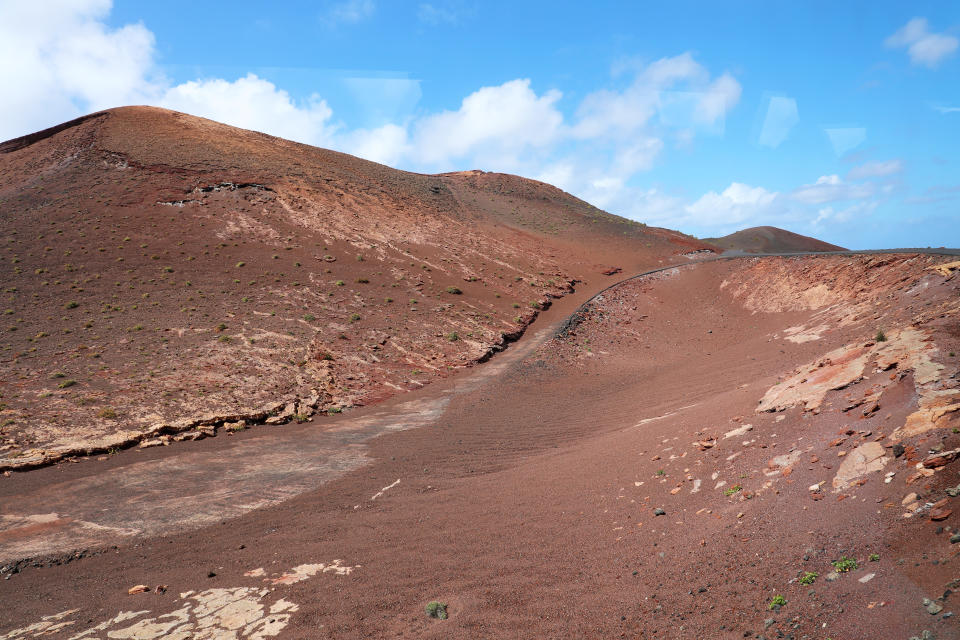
[(166, 275), (771, 240)]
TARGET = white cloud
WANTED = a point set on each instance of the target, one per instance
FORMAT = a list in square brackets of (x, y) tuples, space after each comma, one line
[(349, 11), (923, 47), (875, 170), (737, 203), (831, 188), (491, 123), (679, 88), (856, 210), (253, 103), (388, 144), (944, 109), (58, 60)]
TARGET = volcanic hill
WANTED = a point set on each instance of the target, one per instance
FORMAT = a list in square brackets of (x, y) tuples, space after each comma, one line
[(168, 276), (771, 240)]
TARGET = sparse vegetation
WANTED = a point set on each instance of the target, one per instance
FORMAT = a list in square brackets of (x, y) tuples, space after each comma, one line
[(453, 337), (844, 564), (778, 601), (881, 336), (732, 490), (874, 557), (454, 290), (66, 384), (809, 577), (437, 610)]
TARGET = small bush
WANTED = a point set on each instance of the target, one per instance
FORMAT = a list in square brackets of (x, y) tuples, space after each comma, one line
[(453, 337), (241, 264), (363, 280), (844, 564), (809, 577), (354, 317), (108, 413), (66, 384), (437, 610), (881, 336), (309, 317), (454, 290), (874, 557), (339, 283), (778, 601), (732, 490), (71, 305)]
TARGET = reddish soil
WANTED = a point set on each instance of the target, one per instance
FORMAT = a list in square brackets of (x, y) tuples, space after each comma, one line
[(771, 240), (615, 472), (168, 277)]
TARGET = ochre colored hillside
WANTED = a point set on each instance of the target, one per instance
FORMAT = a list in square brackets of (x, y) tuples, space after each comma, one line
[(166, 275), (771, 240)]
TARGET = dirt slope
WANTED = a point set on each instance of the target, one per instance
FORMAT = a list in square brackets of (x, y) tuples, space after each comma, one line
[(692, 446), (770, 240), (167, 277)]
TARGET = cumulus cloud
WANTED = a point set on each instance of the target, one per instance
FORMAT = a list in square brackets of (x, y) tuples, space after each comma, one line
[(679, 88), (737, 203), (923, 47), (875, 170), (831, 188), (59, 60), (493, 121), (253, 103)]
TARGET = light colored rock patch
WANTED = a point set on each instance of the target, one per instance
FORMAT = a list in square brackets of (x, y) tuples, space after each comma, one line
[(908, 349), (865, 459), (801, 334), (811, 382), (739, 431), (238, 613), (305, 571), (946, 269)]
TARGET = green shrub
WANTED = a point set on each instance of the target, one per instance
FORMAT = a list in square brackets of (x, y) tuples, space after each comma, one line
[(454, 290), (72, 305), (437, 610), (778, 601), (881, 336), (809, 577), (453, 337), (844, 564)]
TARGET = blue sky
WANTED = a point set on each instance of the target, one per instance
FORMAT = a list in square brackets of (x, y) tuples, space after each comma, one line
[(838, 120)]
